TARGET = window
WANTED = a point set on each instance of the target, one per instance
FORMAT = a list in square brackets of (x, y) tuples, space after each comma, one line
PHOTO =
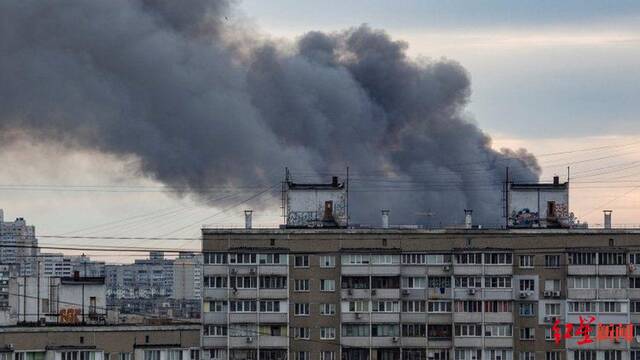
[(125, 355), (497, 306), (526, 309), (468, 354), (552, 355), (216, 282), (498, 330), (30, 355), (468, 306), (439, 331), (215, 258), (327, 261), (327, 285), (243, 330), (218, 306), (527, 333), (385, 282), (414, 259), (635, 354), (634, 258), (581, 307), (242, 258), (612, 355), (635, 308), (215, 330), (327, 309), (468, 330), (498, 354), (384, 330), (527, 355), (552, 261), (355, 330), (612, 307), (358, 306), (301, 285), (414, 306), (552, 309), (385, 306), (469, 259), (301, 261), (525, 261), (438, 354), (243, 306), (327, 355), (414, 330), (301, 332), (548, 334), (439, 306), (498, 258), (468, 281), (270, 306), (148, 355), (301, 309), (552, 285), (383, 259), (413, 282), (272, 259), (414, 354), (634, 282), (327, 333), (301, 355), (611, 259), (439, 282), (273, 282), (243, 282), (582, 282), (582, 258), (527, 285), (584, 355), (355, 259), (498, 282), (613, 282), (355, 282)]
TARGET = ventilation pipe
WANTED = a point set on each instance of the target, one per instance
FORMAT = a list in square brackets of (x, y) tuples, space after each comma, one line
[(247, 219), (385, 219), (467, 219), (607, 218), (556, 180)]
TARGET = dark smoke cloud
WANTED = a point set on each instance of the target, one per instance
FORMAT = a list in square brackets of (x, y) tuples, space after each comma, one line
[(164, 81)]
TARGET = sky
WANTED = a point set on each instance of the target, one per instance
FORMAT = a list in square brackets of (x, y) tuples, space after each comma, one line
[(546, 75)]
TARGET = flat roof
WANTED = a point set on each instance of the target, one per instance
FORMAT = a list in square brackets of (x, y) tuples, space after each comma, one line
[(400, 231)]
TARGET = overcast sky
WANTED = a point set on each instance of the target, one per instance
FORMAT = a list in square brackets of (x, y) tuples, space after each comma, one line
[(546, 75)]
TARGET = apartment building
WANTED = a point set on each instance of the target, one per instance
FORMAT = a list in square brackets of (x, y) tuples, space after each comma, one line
[(391, 294), (19, 246), (112, 342)]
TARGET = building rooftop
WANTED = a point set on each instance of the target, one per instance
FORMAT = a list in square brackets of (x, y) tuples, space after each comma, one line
[(418, 230)]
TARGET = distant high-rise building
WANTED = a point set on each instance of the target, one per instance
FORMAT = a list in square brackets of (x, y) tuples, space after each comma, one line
[(60, 265), (19, 246)]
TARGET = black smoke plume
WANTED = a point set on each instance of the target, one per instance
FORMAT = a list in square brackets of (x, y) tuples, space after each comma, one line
[(203, 103)]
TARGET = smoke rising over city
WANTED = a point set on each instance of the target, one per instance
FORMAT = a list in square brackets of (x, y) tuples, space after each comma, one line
[(203, 102)]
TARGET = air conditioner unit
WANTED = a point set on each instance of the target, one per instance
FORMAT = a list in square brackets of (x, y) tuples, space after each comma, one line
[(249, 340), (373, 292), (523, 294), (405, 292), (471, 291), (548, 293), (395, 339), (556, 293), (446, 268)]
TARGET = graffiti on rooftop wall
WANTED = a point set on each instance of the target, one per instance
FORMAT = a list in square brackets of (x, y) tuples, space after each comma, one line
[(69, 316), (525, 218)]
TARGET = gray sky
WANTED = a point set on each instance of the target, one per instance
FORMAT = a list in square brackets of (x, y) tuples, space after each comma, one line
[(550, 76)]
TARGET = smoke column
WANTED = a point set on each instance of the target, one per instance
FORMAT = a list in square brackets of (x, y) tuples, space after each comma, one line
[(203, 103)]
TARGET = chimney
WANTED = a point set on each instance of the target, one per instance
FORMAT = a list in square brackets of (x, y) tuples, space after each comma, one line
[(607, 218), (334, 181), (385, 219), (247, 219), (556, 180), (467, 219)]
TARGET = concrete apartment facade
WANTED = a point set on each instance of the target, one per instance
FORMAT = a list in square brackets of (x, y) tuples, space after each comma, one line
[(140, 342), (413, 294)]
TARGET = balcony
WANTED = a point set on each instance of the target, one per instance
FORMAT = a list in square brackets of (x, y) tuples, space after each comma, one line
[(475, 317), (215, 318), (414, 341), (243, 342), (266, 341), (413, 270), (243, 317), (498, 294), (433, 293), (385, 341), (273, 270), (215, 270), (355, 341), (498, 317), (459, 269), (612, 294), (581, 270), (438, 318), (355, 293), (385, 293), (214, 341), (498, 269), (214, 293), (498, 342), (467, 342), (352, 317), (274, 318), (274, 293), (578, 294), (379, 317), (413, 317)]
